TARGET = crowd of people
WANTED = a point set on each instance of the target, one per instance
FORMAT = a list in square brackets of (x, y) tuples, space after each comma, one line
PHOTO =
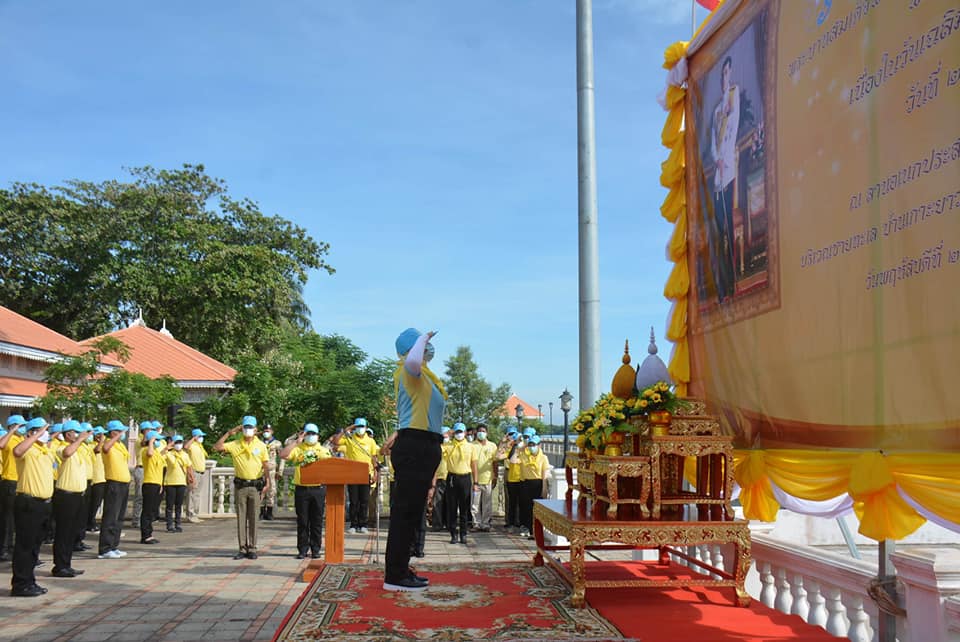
[(55, 480)]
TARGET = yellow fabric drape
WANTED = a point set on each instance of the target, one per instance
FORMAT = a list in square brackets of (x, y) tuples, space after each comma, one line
[(871, 478), (674, 209)]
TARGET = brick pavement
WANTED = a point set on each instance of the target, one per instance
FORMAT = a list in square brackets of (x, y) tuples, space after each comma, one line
[(188, 587)]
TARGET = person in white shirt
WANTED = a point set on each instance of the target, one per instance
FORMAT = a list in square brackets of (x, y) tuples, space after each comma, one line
[(723, 148)]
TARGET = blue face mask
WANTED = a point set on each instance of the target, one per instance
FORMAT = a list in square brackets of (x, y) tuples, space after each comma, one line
[(311, 439), (360, 432), (534, 449)]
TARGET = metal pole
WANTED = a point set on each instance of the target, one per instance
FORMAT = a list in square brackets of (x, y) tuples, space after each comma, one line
[(566, 436), (589, 264)]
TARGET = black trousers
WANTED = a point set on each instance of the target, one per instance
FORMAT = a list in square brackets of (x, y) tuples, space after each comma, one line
[(359, 504), (114, 506), (438, 520), (530, 490), (173, 507), (30, 514), (513, 503), (459, 488), (8, 492), (723, 215), (310, 502), (96, 498), (67, 514), (415, 457), (150, 511), (84, 511)]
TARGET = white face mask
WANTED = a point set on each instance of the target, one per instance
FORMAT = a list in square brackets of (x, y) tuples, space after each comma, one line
[(199, 440), (534, 449), (446, 440), (312, 439), (459, 436), (360, 432), (482, 436), (248, 432), (470, 438), (268, 436), (89, 439), (428, 352), (178, 446), (44, 437)]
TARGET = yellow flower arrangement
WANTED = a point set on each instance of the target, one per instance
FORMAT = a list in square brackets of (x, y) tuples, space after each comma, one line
[(599, 422), (659, 396)]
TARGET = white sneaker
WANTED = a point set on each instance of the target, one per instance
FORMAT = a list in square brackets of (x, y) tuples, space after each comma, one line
[(109, 555), (524, 533), (119, 553), (362, 530)]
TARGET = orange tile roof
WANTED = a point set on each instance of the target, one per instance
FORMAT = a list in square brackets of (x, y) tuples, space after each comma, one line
[(22, 387), (155, 354), (529, 412), (19, 330)]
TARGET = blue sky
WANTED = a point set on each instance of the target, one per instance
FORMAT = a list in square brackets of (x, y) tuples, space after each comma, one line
[(431, 143)]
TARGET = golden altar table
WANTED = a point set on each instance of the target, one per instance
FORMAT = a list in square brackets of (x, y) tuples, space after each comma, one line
[(587, 526)]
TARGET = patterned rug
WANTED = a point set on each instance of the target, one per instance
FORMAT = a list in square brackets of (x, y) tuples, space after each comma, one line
[(506, 601)]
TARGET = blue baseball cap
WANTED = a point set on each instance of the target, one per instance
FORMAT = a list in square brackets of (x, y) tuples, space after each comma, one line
[(196, 432), (360, 421), (459, 427), (55, 428), (151, 434), (3, 431), (406, 340), (529, 431), (177, 438), (15, 420), (146, 425), (36, 422), (311, 428), (115, 425), (511, 432), (156, 425), (86, 426), (72, 425), (98, 430), (249, 420), (534, 439)]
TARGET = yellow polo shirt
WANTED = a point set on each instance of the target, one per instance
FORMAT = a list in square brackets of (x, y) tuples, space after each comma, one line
[(533, 466), (363, 449), (297, 455), (485, 452), (459, 454), (35, 472), (177, 464), (9, 461), (116, 466), (442, 468), (514, 472), (86, 451), (98, 475), (73, 471), (198, 457), (152, 465), (248, 458)]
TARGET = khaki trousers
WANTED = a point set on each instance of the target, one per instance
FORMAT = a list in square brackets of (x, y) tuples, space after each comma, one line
[(248, 510)]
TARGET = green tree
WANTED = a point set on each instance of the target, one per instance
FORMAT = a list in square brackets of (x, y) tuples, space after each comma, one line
[(471, 398), (84, 258)]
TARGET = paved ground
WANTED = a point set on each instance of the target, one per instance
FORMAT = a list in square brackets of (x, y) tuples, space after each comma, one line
[(188, 587)]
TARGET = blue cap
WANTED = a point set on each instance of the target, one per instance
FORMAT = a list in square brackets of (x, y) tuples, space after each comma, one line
[(196, 432), (55, 428), (534, 439), (312, 428), (36, 422), (156, 425), (177, 438), (529, 431), (3, 431), (150, 434), (86, 426), (146, 425), (98, 430), (159, 440), (459, 427), (115, 425), (360, 421), (15, 420), (512, 431), (406, 340), (249, 420), (73, 425)]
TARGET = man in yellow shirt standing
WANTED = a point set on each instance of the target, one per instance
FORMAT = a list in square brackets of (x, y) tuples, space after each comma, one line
[(197, 490), (31, 506), (250, 478), (309, 500), (68, 508), (152, 458), (8, 483), (356, 445), (534, 469), (484, 480), (459, 457), (176, 479), (116, 469)]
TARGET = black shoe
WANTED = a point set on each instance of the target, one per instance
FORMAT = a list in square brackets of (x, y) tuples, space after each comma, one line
[(419, 578), (463, 539), (405, 584), (150, 540), (240, 556), (79, 548), (301, 556), (30, 591), (251, 555), (39, 564), (171, 529), (268, 514), (315, 555), (453, 539), (63, 572), (419, 553), (177, 529)]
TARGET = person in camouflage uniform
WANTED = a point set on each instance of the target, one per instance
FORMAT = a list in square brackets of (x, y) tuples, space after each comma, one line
[(275, 466)]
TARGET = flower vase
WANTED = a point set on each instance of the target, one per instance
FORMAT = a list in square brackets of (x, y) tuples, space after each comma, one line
[(659, 423), (612, 444)]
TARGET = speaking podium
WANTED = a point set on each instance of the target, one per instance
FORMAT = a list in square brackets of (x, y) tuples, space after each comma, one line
[(334, 472)]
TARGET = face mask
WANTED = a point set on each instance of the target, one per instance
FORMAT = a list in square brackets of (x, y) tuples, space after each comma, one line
[(89, 439), (268, 436), (360, 432), (470, 438), (312, 439), (178, 446), (199, 440), (446, 440), (534, 449), (428, 352), (248, 432), (459, 436), (44, 437), (482, 436)]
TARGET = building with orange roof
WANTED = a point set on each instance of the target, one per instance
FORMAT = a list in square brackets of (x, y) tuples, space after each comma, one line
[(26, 349), (529, 412)]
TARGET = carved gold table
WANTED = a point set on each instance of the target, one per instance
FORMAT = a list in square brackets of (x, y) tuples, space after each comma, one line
[(587, 528), (612, 469), (714, 462)]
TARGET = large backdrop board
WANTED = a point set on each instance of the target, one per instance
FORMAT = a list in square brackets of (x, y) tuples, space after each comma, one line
[(814, 183)]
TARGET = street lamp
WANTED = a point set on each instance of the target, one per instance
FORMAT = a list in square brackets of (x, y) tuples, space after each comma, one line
[(565, 400), (551, 415), (540, 412), (518, 411)]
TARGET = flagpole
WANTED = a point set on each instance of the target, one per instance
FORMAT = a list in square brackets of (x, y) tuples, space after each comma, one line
[(693, 17)]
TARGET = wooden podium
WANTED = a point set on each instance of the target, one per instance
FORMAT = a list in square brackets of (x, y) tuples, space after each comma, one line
[(335, 473)]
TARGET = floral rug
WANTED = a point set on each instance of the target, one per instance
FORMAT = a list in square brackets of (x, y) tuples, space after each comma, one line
[(505, 601)]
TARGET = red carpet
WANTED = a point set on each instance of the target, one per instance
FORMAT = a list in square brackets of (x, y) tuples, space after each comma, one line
[(507, 601), (681, 614)]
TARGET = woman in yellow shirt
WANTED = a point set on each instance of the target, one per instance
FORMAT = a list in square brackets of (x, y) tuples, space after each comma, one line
[(534, 468), (179, 474), (99, 481), (154, 463)]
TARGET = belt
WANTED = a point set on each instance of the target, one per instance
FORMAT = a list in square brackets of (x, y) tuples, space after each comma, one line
[(245, 483), (68, 492), (36, 499), (139, 466), (420, 434)]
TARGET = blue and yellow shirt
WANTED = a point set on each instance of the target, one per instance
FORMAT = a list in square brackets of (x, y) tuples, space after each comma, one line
[(420, 403)]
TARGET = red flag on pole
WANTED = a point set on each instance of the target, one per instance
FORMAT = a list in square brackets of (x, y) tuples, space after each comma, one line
[(710, 5)]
